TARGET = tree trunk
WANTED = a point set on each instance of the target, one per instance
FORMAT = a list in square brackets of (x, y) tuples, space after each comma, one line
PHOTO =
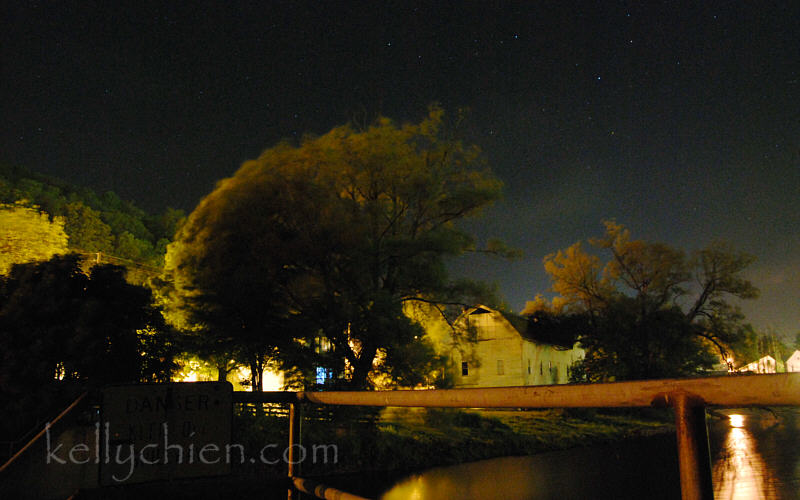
[(257, 375), (362, 367)]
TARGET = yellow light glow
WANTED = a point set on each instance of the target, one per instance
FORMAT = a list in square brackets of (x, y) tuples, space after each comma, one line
[(742, 474), (272, 381)]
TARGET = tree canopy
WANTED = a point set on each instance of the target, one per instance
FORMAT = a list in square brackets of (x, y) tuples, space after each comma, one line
[(94, 223), (650, 311), (323, 242), (86, 229), (27, 234)]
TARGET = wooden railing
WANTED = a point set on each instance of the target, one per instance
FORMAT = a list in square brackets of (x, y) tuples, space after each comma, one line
[(688, 397)]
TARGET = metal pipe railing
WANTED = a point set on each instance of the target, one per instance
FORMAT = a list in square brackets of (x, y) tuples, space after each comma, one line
[(43, 431), (293, 465), (689, 398), (321, 491), (694, 457)]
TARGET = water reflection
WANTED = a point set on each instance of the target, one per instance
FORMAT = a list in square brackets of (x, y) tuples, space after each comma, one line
[(755, 453), (740, 472), (470, 481), (599, 472)]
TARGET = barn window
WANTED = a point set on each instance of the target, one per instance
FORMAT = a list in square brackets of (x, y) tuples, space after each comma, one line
[(464, 369)]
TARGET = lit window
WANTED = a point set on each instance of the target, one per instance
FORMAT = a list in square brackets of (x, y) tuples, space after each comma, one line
[(322, 344), (464, 369), (500, 368), (321, 375)]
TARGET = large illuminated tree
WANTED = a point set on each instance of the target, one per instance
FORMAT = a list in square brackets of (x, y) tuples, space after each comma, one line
[(329, 239), (649, 310)]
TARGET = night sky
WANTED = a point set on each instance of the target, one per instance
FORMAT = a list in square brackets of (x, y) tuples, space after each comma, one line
[(679, 120)]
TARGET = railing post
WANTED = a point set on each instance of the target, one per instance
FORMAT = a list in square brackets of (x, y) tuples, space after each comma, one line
[(694, 457), (293, 457)]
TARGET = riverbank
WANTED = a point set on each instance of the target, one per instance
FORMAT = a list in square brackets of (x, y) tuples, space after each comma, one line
[(412, 439), (368, 450), (757, 451)]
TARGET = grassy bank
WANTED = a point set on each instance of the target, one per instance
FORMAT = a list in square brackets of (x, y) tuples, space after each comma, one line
[(403, 439), (374, 448)]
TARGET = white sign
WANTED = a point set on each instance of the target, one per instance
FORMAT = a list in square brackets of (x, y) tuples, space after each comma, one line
[(152, 432)]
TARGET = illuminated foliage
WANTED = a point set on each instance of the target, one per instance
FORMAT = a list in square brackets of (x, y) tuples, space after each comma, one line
[(27, 234), (330, 238), (87, 231), (94, 223), (576, 276), (649, 311)]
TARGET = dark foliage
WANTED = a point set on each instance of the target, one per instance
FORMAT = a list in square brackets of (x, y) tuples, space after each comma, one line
[(621, 344), (61, 327)]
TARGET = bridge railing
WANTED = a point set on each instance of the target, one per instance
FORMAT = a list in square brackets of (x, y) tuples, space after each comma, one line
[(688, 397)]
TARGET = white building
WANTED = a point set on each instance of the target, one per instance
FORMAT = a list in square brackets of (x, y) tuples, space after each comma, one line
[(793, 363), (764, 365), (507, 354)]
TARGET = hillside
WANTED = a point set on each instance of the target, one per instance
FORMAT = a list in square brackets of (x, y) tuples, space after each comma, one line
[(94, 222)]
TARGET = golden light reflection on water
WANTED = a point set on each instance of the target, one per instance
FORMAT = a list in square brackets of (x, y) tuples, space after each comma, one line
[(744, 468), (736, 420), (741, 473), (477, 480)]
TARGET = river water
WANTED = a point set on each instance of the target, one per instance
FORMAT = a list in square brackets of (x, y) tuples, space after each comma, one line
[(755, 455)]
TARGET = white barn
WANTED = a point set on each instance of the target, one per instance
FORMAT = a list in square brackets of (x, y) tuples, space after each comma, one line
[(506, 354)]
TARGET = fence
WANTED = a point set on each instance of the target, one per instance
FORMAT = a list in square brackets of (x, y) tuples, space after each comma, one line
[(688, 397)]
